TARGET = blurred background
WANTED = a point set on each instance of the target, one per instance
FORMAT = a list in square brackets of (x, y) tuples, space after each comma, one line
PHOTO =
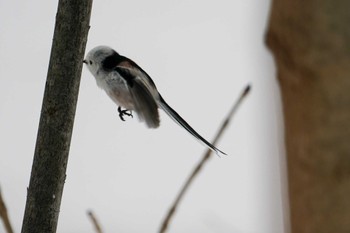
[(201, 55)]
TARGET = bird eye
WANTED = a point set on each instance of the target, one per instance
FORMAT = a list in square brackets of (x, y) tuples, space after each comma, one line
[(90, 62)]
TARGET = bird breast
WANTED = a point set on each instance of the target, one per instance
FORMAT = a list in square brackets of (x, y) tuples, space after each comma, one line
[(117, 89)]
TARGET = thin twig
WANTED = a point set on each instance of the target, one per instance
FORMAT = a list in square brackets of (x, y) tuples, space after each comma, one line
[(94, 222), (204, 159), (4, 216)]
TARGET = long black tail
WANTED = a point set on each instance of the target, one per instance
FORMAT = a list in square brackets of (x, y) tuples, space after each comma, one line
[(179, 120)]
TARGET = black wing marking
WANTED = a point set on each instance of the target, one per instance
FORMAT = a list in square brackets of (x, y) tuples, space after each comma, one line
[(110, 62), (145, 104)]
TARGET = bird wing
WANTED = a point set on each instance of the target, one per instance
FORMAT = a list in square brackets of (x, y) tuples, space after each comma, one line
[(142, 91), (179, 120), (146, 96)]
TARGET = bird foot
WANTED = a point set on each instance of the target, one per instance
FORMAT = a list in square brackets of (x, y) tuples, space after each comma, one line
[(124, 112)]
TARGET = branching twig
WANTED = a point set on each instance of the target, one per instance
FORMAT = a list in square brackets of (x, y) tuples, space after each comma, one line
[(4, 216), (94, 221), (205, 158)]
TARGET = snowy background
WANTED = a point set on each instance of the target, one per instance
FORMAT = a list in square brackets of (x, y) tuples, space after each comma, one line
[(201, 55)]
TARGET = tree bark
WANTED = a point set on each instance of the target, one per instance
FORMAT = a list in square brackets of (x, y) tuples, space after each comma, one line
[(57, 117), (310, 41)]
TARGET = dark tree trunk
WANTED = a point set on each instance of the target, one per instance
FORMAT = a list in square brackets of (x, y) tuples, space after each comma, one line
[(57, 117), (311, 43)]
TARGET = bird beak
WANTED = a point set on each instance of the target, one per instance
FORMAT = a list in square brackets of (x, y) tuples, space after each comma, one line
[(84, 61)]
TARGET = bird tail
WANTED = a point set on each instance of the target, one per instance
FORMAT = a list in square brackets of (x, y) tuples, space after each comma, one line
[(179, 120)]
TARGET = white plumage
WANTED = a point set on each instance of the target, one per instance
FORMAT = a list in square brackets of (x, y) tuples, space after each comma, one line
[(129, 86)]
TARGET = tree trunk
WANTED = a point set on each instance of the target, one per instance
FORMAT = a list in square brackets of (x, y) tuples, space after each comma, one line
[(57, 117), (311, 44)]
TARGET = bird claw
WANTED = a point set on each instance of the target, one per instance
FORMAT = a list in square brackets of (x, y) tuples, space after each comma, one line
[(124, 112)]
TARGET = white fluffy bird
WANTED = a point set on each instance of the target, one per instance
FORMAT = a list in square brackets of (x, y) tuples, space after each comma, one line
[(129, 86)]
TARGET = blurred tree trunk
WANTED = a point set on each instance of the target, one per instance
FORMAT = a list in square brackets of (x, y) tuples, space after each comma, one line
[(310, 41), (57, 117)]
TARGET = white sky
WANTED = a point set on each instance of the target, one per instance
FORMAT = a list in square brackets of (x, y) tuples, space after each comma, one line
[(201, 54)]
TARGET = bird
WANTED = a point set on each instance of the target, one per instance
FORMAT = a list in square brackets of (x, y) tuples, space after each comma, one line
[(131, 88)]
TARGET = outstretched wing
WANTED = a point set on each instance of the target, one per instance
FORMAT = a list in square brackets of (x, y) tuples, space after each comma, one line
[(142, 90)]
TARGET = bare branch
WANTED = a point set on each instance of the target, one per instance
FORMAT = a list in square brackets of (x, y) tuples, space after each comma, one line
[(57, 117), (94, 222), (4, 216), (201, 163)]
